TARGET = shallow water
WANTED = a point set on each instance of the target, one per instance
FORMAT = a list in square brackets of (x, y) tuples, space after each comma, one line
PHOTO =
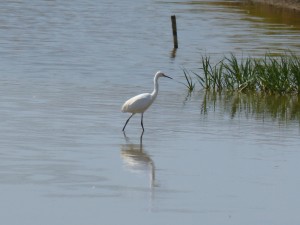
[(66, 69)]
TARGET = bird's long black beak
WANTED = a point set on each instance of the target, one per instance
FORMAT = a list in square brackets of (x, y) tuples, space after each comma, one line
[(168, 76)]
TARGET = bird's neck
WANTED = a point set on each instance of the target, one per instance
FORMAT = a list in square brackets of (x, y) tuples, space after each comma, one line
[(155, 91)]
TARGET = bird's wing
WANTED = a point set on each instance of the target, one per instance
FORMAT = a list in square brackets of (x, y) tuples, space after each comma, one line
[(137, 104)]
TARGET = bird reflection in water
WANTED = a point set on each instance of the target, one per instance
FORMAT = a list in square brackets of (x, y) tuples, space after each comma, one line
[(137, 160)]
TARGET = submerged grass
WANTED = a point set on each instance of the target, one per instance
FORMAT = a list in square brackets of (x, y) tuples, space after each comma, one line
[(277, 107), (280, 75)]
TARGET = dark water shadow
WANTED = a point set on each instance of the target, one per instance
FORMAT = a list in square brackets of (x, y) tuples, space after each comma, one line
[(173, 53), (281, 108), (137, 159)]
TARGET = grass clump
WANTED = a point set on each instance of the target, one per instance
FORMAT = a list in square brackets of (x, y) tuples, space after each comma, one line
[(280, 75)]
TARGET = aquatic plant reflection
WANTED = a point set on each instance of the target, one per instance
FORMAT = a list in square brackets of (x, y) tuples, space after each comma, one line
[(137, 160), (283, 108)]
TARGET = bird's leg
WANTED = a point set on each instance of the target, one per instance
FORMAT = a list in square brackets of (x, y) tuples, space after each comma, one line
[(142, 122), (141, 141), (127, 121), (126, 138)]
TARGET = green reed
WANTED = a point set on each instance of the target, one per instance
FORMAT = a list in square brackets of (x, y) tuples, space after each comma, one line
[(269, 74), (189, 81), (212, 74)]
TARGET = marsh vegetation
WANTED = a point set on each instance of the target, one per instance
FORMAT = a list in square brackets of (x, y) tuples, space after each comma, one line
[(269, 75)]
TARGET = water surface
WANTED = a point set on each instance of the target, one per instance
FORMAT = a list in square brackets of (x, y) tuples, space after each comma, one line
[(66, 69)]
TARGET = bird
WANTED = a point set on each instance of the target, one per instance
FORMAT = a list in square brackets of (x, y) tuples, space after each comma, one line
[(140, 103)]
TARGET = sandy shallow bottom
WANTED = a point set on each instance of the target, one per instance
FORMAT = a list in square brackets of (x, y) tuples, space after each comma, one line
[(288, 4)]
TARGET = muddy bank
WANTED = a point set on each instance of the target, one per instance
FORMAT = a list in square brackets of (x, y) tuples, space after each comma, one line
[(288, 4)]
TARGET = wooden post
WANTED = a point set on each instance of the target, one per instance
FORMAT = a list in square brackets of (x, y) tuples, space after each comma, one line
[(174, 28)]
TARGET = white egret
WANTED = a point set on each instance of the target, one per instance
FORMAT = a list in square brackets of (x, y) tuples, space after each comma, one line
[(140, 103)]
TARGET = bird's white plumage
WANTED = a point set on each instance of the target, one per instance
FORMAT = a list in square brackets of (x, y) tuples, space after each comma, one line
[(141, 102), (138, 104)]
